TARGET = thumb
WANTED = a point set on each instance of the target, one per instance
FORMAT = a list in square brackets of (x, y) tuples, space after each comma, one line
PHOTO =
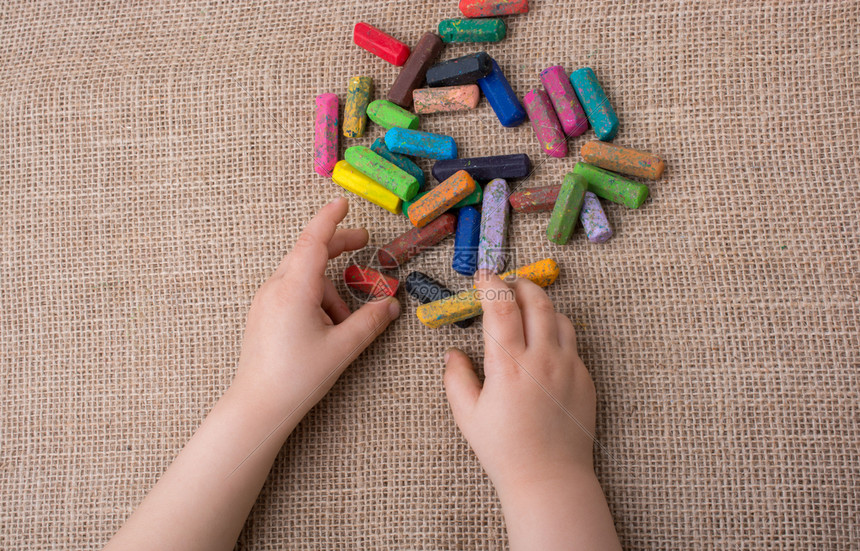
[(461, 383), (361, 328)]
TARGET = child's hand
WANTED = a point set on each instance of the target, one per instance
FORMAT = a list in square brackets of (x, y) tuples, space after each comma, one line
[(531, 422), (300, 334), (524, 423)]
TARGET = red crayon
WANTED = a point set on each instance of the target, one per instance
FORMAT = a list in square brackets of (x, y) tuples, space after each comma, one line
[(370, 281), (535, 199), (380, 44)]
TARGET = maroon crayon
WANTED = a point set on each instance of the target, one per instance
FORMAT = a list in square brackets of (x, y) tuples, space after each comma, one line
[(416, 240), (536, 199)]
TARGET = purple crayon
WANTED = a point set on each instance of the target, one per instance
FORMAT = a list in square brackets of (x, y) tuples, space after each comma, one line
[(564, 100), (594, 219), (494, 227)]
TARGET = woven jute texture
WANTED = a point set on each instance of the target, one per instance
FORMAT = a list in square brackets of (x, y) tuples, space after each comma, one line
[(156, 166)]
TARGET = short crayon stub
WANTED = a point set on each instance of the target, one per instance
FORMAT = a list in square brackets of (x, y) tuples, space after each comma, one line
[(537, 199), (370, 281), (623, 160), (564, 101), (441, 198), (565, 214), (386, 174), (594, 102), (388, 115), (545, 123), (424, 289), (421, 144), (354, 181), (502, 97), (459, 307), (404, 163), (414, 70), (611, 186), (412, 243), (493, 8), (472, 30), (355, 110), (594, 219), (543, 272), (380, 44), (446, 99), (495, 214), (466, 241), (325, 134)]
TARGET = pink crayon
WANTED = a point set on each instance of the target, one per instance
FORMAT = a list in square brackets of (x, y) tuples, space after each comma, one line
[(567, 107), (545, 123), (325, 135)]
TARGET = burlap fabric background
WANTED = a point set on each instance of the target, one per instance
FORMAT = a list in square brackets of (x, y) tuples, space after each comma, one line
[(155, 167)]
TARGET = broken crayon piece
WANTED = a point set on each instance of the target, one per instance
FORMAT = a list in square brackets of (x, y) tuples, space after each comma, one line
[(565, 213), (414, 70), (545, 123), (472, 30), (594, 102), (388, 115), (468, 69), (421, 144), (325, 134), (493, 8), (354, 181), (412, 243), (495, 214), (384, 173), (355, 111), (535, 199), (594, 219), (466, 240), (611, 186), (441, 198), (446, 99), (380, 44), (623, 160), (502, 97), (370, 281), (424, 289), (564, 101), (484, 169), (401, 161)]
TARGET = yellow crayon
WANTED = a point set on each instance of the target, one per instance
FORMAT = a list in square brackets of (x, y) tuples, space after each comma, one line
[(466, 304), (352, 180), (355, 110)]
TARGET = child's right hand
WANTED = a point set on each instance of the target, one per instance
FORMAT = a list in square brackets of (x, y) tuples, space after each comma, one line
[(531, 423), (528, 421)]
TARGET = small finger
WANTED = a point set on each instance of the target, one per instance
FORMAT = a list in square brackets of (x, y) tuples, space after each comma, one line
[(347, 240), (333, 304), (503, 323), (566, 332), (310, 254), (539, 321)]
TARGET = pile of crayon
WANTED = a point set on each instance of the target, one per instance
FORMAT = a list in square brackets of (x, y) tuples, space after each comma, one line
[(473, 200)]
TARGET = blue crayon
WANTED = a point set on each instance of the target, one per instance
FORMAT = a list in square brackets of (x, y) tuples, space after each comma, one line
[(597, 108), (420, 144), (466, 241), (400, 161), (502, 98)]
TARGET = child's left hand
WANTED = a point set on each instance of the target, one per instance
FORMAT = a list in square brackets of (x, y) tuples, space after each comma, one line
[(300, 335)]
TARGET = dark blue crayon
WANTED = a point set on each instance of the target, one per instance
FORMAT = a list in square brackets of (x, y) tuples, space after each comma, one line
[(466, 241), (484, 169), (502, 98), (424, 289), (400, 161), (420, 144)]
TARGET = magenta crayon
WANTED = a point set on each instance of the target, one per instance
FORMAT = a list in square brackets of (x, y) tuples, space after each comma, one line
[(325, 135), (567, 108), (495, 213), (545, 123)]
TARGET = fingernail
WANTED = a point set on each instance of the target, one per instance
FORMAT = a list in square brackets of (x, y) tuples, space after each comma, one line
[(394, 308), (446, 356), (338, 200)]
